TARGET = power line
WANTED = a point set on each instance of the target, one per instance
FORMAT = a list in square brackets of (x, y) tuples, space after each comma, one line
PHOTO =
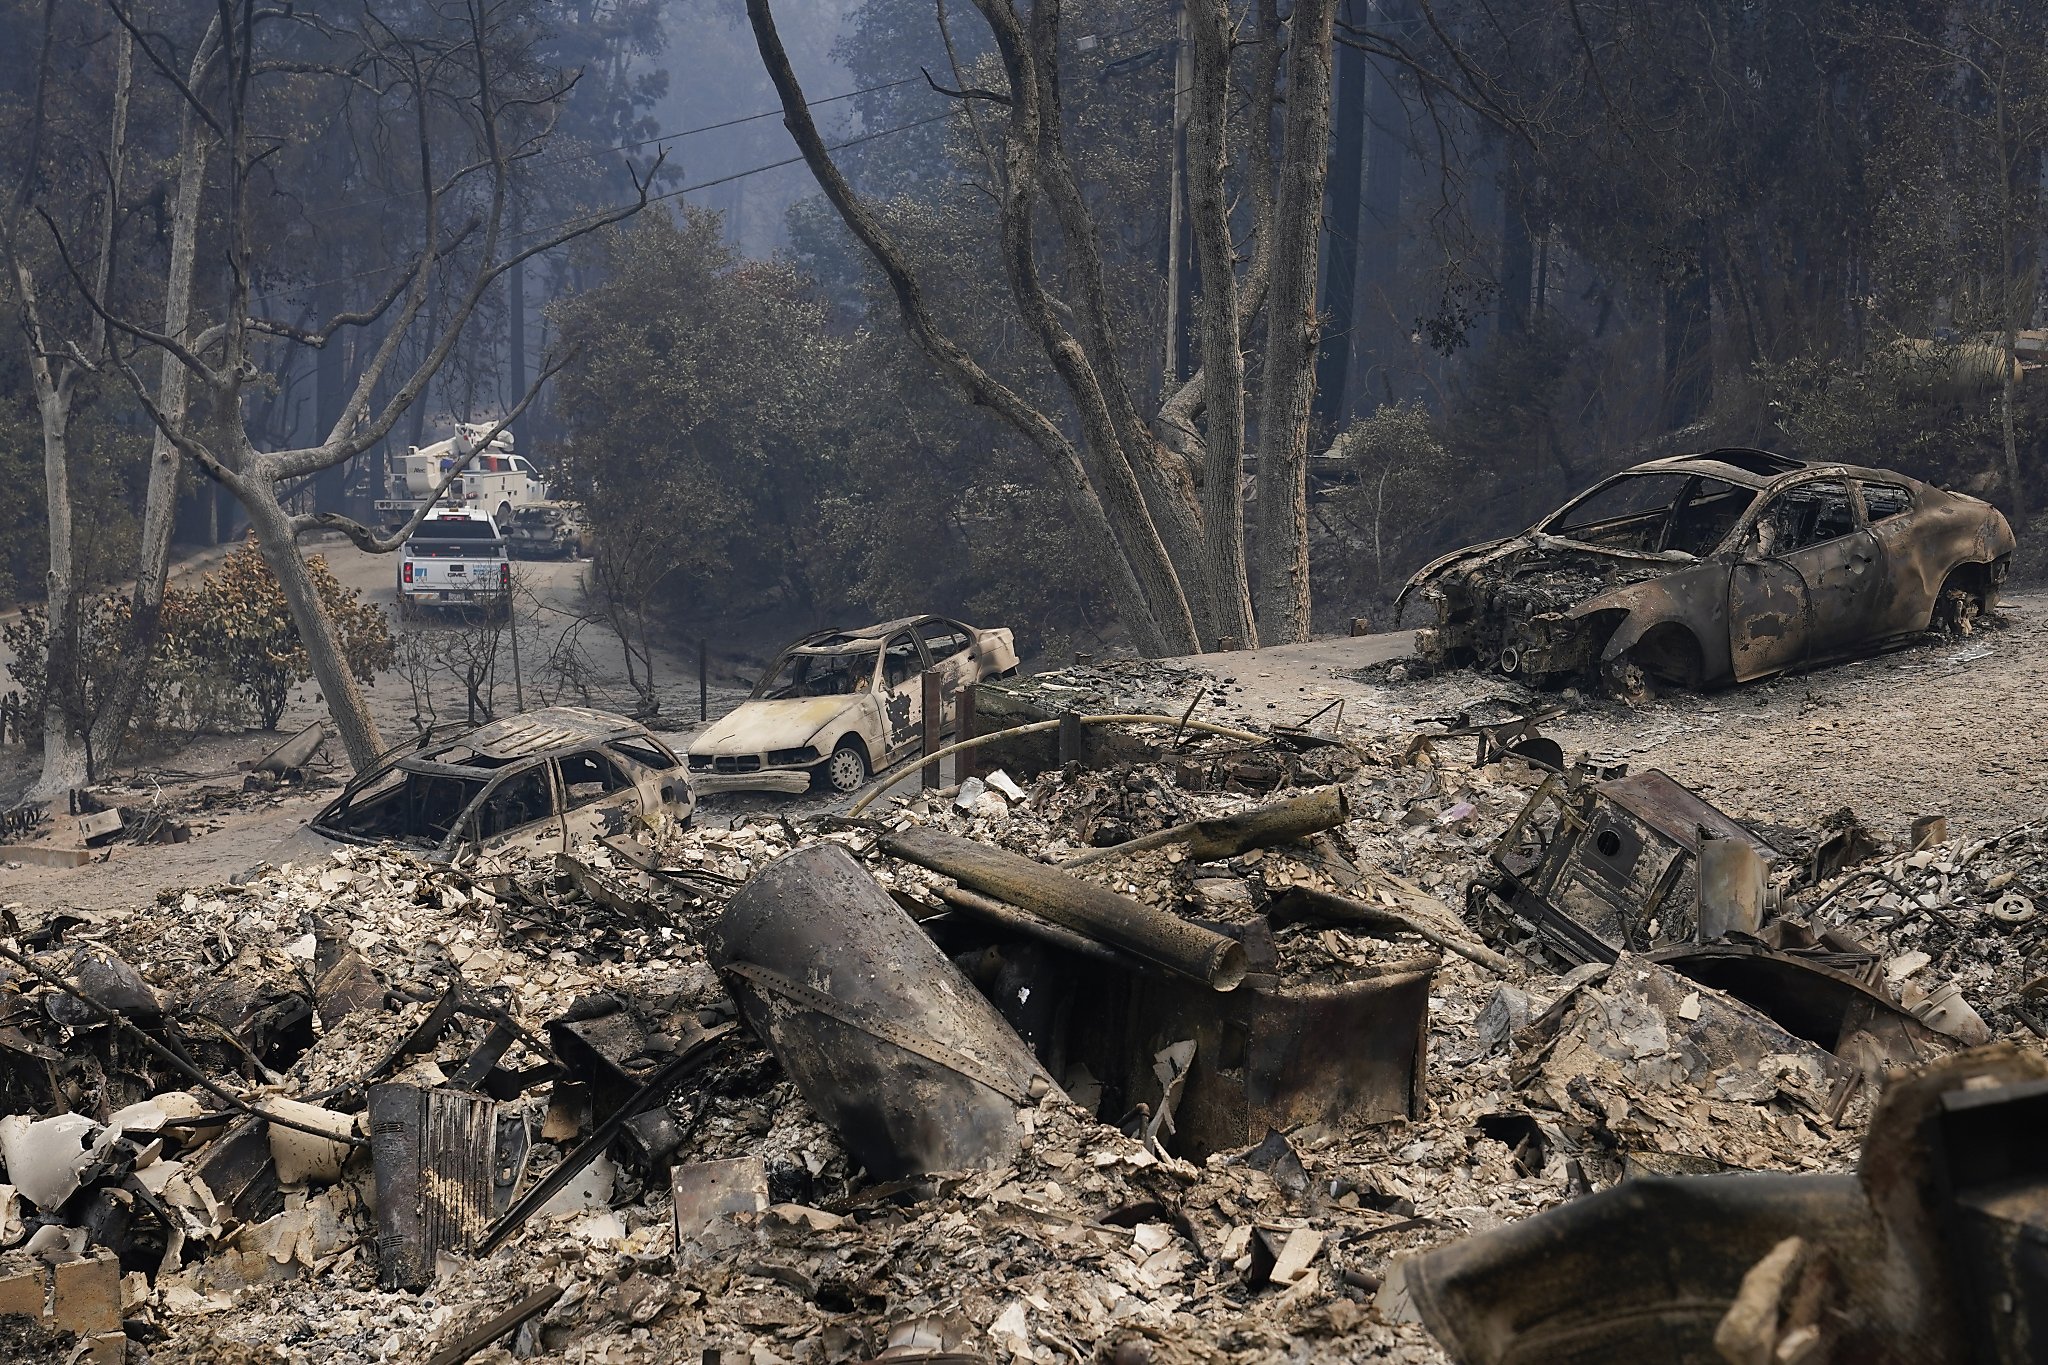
[(652, 199), (592, 153)]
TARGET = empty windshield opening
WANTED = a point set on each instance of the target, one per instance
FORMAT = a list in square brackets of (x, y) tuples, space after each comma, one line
[(1631, 513), (821, 675), (407, 807)]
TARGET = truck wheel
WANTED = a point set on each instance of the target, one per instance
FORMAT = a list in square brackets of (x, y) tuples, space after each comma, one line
[(847, 769), (504, 516)]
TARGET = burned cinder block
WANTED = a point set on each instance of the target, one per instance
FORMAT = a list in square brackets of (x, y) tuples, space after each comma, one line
[(433, 1155)]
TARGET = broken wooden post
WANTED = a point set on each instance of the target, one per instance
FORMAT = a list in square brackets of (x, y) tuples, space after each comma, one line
[(1164, 940), (966, 764), (1229, 835), (934, 718), (1070, 738)]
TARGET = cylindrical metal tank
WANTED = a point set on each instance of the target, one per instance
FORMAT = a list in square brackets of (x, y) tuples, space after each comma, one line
[(886, 1039)]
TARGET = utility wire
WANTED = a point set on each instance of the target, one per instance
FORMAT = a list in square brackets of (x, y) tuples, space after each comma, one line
[(592, 153), (652, 199)]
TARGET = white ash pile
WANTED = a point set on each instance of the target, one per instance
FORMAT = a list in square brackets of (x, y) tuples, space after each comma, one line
[(1958, 925)]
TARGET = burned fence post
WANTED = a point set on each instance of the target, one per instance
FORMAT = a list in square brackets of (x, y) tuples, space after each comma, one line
[(966, 763), (884, 1037), (703, 681), (1070, 738), (934, 718)]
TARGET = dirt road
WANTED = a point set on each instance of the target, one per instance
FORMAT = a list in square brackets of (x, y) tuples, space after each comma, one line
[(1940, 726)]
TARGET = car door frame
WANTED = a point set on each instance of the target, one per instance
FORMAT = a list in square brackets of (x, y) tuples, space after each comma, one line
[(533, 834), (568, 816), (1778, 615)]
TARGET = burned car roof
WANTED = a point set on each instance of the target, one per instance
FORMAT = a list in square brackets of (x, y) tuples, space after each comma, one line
[(1759, 469), (535, 734), (859, 637)]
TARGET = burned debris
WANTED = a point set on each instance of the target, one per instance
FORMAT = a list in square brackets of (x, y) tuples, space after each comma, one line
[(1124, 1058)]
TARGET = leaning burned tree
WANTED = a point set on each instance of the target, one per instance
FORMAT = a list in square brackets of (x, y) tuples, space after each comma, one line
[(1161, 497), (471, 107)]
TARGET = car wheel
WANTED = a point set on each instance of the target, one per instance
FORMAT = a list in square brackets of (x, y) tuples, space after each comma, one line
[(504, 516), (847, 769), (1959, 607)]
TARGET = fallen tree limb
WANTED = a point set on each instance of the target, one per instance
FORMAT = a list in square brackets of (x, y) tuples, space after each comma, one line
[(1096, 912)]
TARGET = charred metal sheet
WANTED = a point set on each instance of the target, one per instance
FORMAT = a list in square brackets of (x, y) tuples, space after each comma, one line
[(1932, 1250), (1606, 867), (1820, 1003), (432, 1154), (1702, 570), (1298, 1059), (888, 1042), (237, 1167)]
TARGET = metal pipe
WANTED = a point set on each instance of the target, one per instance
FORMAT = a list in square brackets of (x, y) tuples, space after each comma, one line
[(1154, 936)]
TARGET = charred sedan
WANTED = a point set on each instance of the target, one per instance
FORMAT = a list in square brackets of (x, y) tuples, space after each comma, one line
[(1702, 570), (840, 704), (535, 781)]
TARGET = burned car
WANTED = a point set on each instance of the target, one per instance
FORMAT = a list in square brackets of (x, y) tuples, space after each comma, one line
[(533, 781), (837, 705), (1702, 570)]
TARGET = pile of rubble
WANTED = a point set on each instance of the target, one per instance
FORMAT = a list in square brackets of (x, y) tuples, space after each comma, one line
[(1151, 1061)]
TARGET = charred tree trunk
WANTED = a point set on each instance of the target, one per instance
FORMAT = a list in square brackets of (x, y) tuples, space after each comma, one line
[(1347, 223), (1379, 241), (160, 501), (277, 539), (64, 749), (1281, 591), (1689, 337), (1208, 159)]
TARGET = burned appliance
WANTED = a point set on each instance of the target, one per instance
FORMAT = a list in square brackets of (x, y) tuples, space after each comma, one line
[(1598, 868)]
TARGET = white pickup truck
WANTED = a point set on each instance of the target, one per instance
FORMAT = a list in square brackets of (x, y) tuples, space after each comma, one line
[(455, 559)]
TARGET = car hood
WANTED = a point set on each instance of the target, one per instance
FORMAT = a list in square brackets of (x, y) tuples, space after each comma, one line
[(755, 726), (1550, 566)]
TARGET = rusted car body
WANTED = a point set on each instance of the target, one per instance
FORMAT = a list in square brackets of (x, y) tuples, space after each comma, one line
[(838, 705), (535, 781), (1709, 569)]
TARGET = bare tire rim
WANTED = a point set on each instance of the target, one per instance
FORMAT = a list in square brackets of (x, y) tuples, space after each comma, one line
[(846, 769)]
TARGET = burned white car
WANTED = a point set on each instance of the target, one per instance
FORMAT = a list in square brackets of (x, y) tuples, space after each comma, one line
[(840, 704), (535, 781)]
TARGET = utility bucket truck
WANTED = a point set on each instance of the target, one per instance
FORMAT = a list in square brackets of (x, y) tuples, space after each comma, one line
[(497, 481)]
